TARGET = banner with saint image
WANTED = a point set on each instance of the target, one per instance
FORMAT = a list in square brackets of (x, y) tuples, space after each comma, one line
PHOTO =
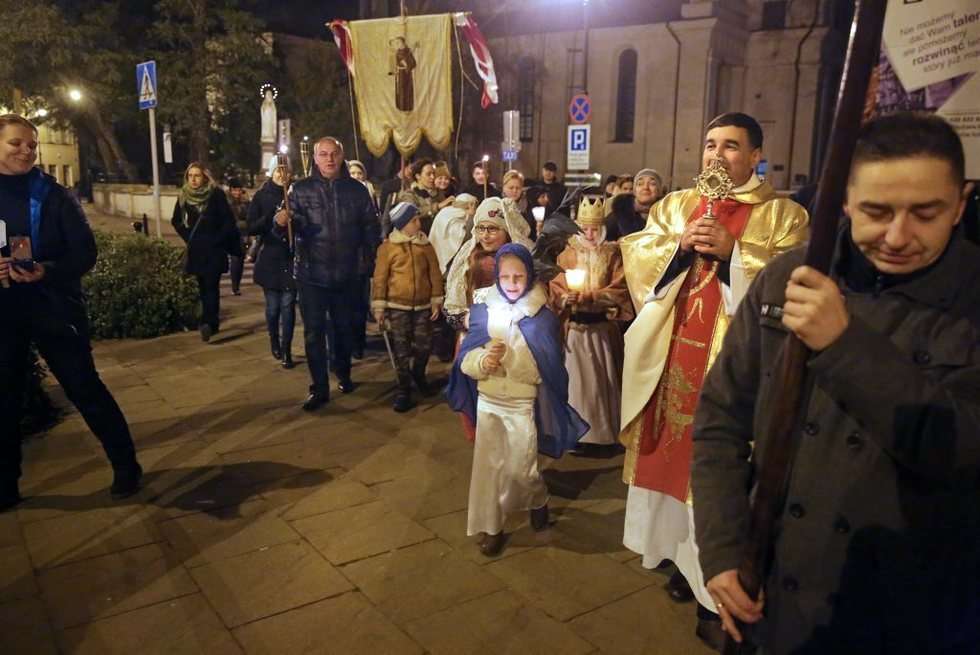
[(403, 81)]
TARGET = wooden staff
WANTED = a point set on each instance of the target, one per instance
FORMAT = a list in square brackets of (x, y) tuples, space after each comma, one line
[(282, 166), (790, 400)]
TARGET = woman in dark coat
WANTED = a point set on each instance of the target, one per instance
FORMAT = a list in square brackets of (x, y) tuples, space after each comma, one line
[(273, 267), (205, 222)]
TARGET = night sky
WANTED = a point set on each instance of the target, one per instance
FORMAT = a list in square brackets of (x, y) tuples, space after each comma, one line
[(304, 17)]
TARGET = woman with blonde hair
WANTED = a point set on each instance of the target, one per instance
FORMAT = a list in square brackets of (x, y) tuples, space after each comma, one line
[(205, 222)]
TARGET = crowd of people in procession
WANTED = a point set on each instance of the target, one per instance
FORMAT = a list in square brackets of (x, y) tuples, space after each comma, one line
[(653, 333)]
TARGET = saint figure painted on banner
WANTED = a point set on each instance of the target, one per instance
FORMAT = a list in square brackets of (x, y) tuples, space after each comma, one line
[(402, 68)]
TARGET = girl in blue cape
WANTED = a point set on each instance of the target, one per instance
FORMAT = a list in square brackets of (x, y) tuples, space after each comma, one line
[(510, 380)]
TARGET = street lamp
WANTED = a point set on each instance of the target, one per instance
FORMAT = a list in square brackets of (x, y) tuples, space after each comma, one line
[(42, 112), (75, 95)]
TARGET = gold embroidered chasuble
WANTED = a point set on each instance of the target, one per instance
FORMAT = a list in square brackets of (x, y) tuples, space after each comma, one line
[(774, 225)]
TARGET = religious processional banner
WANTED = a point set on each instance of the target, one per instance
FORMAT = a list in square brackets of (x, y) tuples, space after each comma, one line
[(403, 81)]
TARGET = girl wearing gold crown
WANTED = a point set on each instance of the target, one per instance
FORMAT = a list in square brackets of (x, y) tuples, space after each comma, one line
[(591, 298)]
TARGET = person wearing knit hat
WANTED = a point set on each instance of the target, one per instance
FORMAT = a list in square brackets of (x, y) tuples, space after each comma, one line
[(629, 210), (593, 309), (495, 223), (407, 296), (445, 189), (508, 379)]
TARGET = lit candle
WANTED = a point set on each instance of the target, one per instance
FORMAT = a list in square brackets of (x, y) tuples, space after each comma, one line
[(575, 278)]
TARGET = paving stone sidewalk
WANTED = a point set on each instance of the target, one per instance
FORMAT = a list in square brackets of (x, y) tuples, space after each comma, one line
[(263, 529)]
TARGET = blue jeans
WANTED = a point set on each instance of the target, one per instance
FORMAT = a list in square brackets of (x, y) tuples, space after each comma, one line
[(280, 307)]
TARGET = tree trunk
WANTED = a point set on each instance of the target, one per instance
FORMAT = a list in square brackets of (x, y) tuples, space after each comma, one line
[(105, 132), (105, 154), (109, 149)]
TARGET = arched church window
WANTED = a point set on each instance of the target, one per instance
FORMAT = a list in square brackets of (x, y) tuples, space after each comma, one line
[(525, 97), (626, 97)]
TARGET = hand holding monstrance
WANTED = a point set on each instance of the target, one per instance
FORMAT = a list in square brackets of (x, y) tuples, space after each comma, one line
[(706, 236)]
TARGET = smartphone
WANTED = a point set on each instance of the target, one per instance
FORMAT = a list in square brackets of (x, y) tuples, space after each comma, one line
[(21, 254)]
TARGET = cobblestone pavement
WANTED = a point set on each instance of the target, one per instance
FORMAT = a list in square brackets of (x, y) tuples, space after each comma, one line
[(263, 529)]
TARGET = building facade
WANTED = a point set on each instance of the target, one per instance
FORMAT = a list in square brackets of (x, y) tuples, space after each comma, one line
[(656, 73), (57, 154)]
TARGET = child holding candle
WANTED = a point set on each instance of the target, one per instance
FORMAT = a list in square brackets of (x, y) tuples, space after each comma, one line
[(509, 379), (591, 297)]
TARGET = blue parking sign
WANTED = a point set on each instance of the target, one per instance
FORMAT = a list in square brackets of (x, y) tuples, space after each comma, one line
[(579, 142)]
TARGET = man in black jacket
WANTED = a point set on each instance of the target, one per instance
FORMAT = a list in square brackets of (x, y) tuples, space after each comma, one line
[(876, 549), (334, 223), (41, 296)]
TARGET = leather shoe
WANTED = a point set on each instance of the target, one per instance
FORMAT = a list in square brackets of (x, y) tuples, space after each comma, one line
[(678, 589), (287, 362), (126, 481), (346, 386), (275, 348), (315, 401), (403, 403), (539, 518), (493, 545), (711, 633)]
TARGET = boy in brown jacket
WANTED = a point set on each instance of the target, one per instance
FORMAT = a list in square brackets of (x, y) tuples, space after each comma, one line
[(407, 289)]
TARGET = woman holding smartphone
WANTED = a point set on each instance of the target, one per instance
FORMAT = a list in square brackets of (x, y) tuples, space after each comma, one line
[(41, 296), (204, 220)]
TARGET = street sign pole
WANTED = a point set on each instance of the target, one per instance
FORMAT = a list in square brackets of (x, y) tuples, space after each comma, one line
[(156, 171), (146, 90)]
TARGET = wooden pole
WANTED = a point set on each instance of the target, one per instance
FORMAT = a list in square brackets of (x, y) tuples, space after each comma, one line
[(789, 403)]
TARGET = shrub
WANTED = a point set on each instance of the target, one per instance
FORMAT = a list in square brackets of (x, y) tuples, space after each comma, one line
[(137, 288)]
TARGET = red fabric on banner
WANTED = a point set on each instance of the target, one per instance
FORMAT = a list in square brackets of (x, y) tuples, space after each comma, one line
[(341, 36), (481, 59), (666, 444)]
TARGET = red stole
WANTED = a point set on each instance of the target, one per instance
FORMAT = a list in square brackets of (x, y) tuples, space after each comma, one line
[(664, 459)]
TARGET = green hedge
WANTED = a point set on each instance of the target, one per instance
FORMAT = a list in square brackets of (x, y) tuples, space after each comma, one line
[(137, 289)]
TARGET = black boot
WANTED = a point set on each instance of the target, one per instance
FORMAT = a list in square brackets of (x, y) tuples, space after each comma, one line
[(539, 518), (494, 544), (287, 361), (678, 589), (315, 401), (418, 377), (275, 347), (403, 397), (126, 481)]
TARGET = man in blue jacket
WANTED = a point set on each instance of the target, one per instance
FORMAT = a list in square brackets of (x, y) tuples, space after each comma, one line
[(334, 222), (41, 296)]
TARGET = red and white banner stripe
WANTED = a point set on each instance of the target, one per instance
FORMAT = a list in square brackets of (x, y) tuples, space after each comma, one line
[(341, 36), (481, 58)]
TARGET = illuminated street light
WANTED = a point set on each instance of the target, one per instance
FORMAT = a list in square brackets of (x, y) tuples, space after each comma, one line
[(75, 95), (283, 149), (42, 112)]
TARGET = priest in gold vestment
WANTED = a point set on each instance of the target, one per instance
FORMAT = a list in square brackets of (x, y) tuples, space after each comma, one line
[(686, 271)]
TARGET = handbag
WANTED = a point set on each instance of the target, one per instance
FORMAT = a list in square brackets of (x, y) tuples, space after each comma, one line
[(185, 259)]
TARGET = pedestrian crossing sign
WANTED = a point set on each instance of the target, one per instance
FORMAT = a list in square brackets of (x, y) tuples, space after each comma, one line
[(146, 84)]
